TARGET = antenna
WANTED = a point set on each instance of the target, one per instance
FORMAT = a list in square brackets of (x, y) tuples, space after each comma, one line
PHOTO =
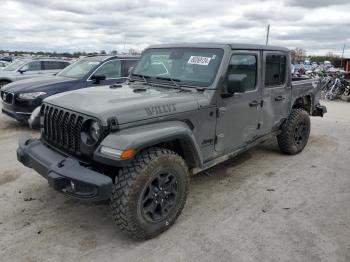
[(267, 34)]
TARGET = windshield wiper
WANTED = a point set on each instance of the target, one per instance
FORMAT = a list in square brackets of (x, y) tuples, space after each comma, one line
[(172, 80), (143, 77)]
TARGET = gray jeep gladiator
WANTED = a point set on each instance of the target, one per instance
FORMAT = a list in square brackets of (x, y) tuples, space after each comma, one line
[(184, 109)]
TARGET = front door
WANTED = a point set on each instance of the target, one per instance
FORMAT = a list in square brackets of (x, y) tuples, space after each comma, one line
[(112, 70), (30, 69), (238, 115)]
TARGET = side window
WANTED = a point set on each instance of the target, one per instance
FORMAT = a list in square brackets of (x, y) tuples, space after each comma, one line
[(127, 64), (275, 70), (64, 65), (110, 70), (245, 65), (51, 65), (32, 66)]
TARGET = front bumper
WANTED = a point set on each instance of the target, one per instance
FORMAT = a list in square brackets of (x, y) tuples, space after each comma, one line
[(19, 116), (63, 173), (20, 113)]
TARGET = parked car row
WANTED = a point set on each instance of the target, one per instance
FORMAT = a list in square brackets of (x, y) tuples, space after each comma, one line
[(21, 98)]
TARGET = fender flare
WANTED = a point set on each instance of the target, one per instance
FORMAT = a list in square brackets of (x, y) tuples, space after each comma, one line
[(144, 136), (305, 97)]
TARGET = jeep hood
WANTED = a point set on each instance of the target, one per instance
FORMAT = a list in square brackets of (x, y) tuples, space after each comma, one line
[(126, 103), (37, 84)]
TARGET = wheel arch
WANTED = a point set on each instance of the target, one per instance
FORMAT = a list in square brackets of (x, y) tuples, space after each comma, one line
[(5, 79), (174, 135), (304, 102)]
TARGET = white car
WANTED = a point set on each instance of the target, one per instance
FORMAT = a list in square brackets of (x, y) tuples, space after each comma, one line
[(3, 64), (29, 68)]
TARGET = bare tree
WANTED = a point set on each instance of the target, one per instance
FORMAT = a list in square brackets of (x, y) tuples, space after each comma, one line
[(298, 54)]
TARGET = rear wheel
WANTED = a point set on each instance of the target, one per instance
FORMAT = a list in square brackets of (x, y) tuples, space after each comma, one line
[(295, 132), (150, 193)]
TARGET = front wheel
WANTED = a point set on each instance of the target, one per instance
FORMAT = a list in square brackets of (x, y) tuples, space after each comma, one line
[(150, 193), (295, 132), (3, 82)]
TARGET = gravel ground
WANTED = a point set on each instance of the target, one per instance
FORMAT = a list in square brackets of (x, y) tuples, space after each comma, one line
[(260, 206)]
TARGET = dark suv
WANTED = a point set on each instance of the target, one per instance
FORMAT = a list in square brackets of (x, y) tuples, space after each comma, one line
[(22, 97)]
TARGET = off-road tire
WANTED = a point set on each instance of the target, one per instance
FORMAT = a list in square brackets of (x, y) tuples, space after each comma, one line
[(131, 183), (287, 141)]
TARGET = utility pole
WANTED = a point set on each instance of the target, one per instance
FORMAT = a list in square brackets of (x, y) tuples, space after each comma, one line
[(342, 56), (267, 34)]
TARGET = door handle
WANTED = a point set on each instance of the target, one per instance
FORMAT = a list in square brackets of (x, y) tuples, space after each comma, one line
[(279, 98), (254, 103)]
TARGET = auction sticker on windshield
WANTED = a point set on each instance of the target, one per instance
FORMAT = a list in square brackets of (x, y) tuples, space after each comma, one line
[(199, 60)]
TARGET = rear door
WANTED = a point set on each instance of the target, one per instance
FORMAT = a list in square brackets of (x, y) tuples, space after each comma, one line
[(238, 115), (276, 92)]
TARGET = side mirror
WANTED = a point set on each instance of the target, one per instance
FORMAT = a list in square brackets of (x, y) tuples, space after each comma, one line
[(235, 83), (21, 71), (98, 78)]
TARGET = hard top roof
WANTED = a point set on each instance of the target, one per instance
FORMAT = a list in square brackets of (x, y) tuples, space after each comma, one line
[(239, 46)]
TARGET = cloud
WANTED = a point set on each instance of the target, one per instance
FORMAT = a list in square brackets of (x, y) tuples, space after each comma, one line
[(312, 4), (91, 25)]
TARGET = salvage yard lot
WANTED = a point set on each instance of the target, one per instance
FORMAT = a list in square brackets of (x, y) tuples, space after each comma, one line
[(260, 206)]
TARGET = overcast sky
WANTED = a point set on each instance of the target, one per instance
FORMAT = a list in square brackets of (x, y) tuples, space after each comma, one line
[(319, 26)]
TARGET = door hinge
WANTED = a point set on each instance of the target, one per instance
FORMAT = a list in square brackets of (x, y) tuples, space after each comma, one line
[(220, 111)]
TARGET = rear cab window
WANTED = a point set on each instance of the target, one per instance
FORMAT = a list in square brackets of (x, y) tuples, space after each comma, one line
[(275, 70)]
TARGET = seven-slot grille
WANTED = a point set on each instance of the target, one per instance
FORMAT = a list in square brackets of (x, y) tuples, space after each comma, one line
[(7, 97), (62, 128)]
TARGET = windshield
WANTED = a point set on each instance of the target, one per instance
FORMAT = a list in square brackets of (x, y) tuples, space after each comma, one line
[(186, 66), (15, 65), (78, 69)]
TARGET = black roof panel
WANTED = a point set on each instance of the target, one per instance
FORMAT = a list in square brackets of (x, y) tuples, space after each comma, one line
[(239, 46)]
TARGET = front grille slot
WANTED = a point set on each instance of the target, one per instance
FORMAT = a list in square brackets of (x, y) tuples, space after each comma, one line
[(62, 128)]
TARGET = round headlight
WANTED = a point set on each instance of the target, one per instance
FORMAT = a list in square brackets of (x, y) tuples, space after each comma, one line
[(95, 131)]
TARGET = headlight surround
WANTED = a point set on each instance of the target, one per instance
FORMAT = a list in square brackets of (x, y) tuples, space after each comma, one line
[(30, 96), (95, 130), (91, 132)]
